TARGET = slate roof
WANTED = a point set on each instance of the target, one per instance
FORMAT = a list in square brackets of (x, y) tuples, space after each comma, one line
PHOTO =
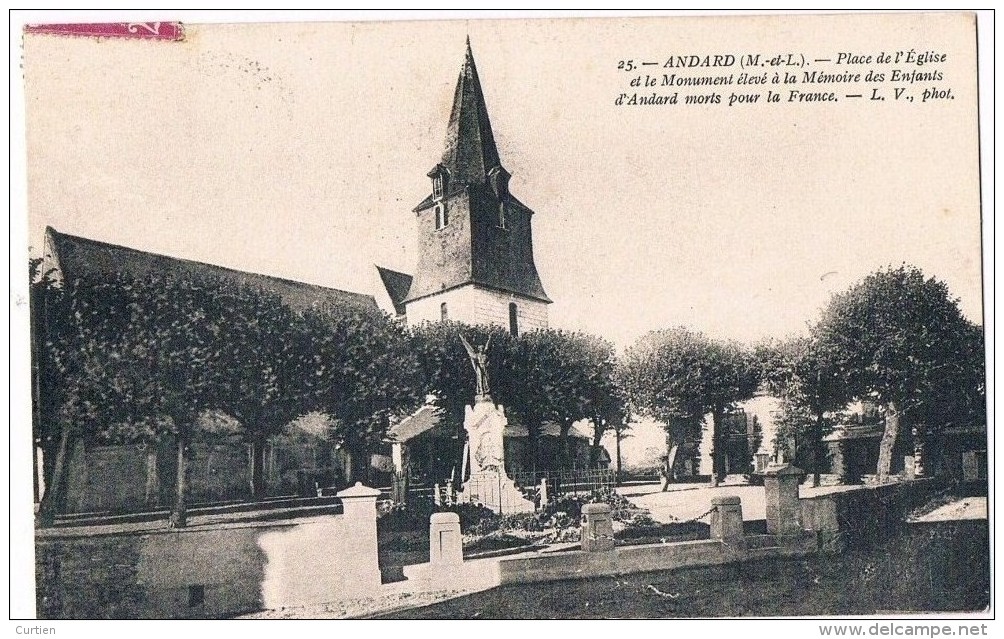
[(78, 255), (470, 144), (397, 285), (423, 420), (480, 252)]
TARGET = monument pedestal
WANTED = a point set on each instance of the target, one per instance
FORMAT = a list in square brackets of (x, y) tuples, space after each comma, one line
[(489, 484), (496, 491)]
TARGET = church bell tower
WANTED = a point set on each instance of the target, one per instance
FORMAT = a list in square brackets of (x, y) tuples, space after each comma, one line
[(475, 252)]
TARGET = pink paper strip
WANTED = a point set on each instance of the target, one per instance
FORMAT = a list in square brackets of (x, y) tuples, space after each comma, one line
[(143, 30)]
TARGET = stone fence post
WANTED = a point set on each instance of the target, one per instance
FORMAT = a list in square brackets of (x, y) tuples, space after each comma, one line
[(360, 549), (784, 512), (445, 543), (726, 518), (597, 531)]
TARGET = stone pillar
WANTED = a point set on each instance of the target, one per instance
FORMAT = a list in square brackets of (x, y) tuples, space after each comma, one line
[(445, 543), (597, 530), (360, 515), (726, 518), (544, 499), (399, 489), (908, 467), (819, 514), (399, 481), (970, 466), (784, 512)]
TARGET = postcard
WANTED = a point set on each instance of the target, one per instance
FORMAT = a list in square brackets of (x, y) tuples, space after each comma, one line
[(532, 317)]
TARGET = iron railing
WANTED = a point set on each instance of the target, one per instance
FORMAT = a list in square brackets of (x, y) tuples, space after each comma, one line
[(572, 482)]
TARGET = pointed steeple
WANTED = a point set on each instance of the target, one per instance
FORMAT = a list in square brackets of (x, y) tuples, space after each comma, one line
[(474, 235), (470, 145)]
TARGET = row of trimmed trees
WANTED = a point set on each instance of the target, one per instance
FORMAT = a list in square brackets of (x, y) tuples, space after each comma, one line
[(143, 360), (896, 338)]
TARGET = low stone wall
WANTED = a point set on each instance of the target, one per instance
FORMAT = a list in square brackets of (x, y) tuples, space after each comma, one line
[(626, 559), (212, 570), (825, 523), (866, 514), (88, 578), (649, 557)]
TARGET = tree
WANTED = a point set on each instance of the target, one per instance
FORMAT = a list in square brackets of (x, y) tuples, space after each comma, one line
[(447, 374), (802, 373), (900, 338), (445, 365), (78, 328), (958, 401), (678, 376), (265, 360), (171, 365), (541, 377), (364, 372), (560, 377), (43, 294), (609, 413), (621, 431), (587, 385)]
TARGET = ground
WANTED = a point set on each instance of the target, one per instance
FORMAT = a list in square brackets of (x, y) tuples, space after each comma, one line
[(929, 567), (966, 508), (686, 501)]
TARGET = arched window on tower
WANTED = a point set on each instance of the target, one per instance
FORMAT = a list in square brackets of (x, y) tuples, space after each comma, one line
[(513, 320), (442, 217), (444, 314)]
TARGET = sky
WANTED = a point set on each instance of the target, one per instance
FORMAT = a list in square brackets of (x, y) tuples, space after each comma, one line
[(299, 149)]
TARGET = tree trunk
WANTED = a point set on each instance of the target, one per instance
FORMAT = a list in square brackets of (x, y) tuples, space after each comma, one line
[(617, 441), (258, 443), (348, 465), (360, 464), (152, 496), (49, 505), (563, 446), (35, 463), (818, 453), (50, 450), (717, 448), (594, 449), (888, 441), (919, 446), (532, 441), (179, 513)]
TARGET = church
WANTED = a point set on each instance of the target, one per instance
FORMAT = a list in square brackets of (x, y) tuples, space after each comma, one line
[(475, 265), (475, 239)]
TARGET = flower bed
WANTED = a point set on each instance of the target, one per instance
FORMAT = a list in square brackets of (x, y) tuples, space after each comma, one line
[(405, 528)]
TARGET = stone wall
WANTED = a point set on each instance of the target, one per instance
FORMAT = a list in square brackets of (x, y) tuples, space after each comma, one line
[(827, 521), (122, 478), (644, 558), (444, 254), (209, 571), (866, 514), (474, 305), (88, 578)]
